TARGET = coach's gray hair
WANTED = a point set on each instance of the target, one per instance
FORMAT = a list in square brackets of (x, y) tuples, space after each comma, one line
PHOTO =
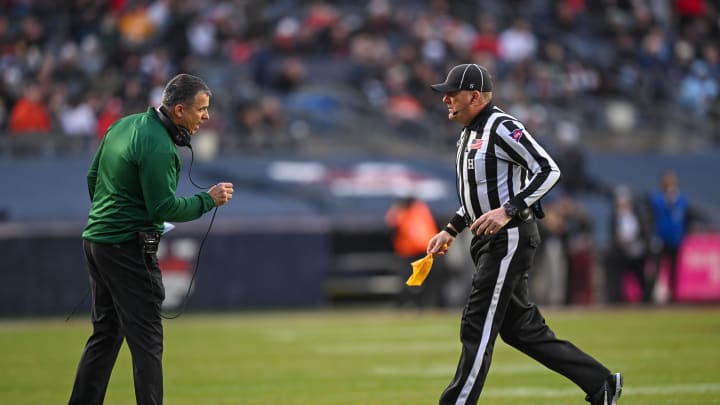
[(182, 89)]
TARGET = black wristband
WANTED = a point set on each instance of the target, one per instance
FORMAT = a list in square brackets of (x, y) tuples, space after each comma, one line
[(458, 222), (450, 231)]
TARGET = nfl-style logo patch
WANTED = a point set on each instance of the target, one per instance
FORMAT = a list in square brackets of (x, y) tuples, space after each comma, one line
[(476, 144), (516, 135)]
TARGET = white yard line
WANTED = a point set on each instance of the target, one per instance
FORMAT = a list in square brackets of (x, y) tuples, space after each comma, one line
[(440, 370), (627, 391), (526, 392), (385, 347)]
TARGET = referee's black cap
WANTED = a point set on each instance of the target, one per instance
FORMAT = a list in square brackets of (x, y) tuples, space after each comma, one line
[(468, 76)]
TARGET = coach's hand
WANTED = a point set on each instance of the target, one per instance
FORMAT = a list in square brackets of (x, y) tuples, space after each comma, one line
[(221, 193)]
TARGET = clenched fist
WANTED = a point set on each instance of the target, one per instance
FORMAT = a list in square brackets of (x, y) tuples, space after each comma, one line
[(221, 193)]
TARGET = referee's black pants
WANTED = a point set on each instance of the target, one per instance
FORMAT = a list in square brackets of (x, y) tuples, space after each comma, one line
[(499, 303), (127, 292)]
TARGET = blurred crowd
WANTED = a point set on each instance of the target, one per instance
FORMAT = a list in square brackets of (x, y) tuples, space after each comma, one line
[(640, 260), (563, 67), (74, 67)]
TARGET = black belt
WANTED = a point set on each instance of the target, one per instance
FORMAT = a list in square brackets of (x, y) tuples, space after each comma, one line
[(525, 215)]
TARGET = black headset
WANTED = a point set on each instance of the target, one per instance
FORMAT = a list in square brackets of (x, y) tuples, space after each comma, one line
[(179, 134)]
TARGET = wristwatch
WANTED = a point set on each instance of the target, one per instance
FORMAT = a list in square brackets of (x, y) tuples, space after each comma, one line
[(510, 210)]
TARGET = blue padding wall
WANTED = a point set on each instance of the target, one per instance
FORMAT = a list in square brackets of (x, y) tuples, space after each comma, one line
[(255, 269)]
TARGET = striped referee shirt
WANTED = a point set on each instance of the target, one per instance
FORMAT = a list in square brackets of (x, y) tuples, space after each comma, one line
[(499, 161)]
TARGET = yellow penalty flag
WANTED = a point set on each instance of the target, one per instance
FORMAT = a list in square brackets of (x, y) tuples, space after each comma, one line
[(420, 270)]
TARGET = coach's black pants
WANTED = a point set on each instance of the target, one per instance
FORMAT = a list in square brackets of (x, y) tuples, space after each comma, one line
[(499, 303), (127, 292)]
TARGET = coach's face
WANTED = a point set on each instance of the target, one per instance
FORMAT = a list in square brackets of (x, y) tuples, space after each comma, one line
[(191, 116)]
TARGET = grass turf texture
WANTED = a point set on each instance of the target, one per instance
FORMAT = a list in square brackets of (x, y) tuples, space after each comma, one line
[(667, 355)]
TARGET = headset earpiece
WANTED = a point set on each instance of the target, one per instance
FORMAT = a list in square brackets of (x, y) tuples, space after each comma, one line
[(179, 134)]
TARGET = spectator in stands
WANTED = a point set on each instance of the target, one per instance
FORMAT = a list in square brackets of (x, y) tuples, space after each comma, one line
[(273, 126), (111, 112), (655, 61), (286, 34), (30, 115), (67, 71), (247, 118), (690, 12), (486, 39), (711, 57), (698, 89), (638, 48), (402, 108), (135, 25), (134, 95), (290, 75), (316, 26), (517, 43), (629, 249), (261, 123), (78, 117), (202, 36), (413, 225)]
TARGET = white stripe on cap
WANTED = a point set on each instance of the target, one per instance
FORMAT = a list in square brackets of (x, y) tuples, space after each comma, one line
[(462, 79), (482, 77)]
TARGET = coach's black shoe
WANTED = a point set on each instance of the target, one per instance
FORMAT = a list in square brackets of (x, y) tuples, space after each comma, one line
[(610, 392)]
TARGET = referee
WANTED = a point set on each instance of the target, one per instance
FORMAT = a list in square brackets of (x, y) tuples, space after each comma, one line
[(502, 173)]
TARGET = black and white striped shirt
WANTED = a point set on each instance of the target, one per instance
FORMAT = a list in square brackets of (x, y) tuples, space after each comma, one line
[(499, 161)]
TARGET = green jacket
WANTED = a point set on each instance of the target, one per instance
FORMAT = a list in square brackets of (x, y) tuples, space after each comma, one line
[(133, 180)]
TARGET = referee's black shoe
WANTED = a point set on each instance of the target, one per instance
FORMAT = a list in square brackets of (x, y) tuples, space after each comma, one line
[(610, 392)]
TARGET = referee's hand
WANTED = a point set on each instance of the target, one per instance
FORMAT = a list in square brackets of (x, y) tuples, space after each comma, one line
[(490, 222), (439, 244), (221, 193)]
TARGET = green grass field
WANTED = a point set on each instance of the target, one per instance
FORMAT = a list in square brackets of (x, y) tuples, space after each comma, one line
[(668, 356)]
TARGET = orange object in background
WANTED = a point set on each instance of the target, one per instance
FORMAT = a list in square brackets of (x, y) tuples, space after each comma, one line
[(414, 226)]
